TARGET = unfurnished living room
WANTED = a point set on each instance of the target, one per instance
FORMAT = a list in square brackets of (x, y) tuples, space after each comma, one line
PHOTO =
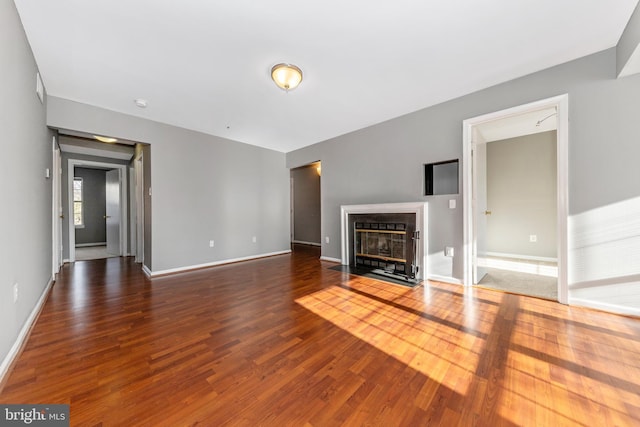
[(284, 213)]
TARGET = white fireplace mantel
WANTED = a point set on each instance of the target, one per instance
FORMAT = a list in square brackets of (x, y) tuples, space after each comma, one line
[(419, 208)]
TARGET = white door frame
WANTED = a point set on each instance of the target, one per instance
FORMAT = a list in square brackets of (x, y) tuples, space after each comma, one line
[(133, 215), (561, 102), (123, 202), (139, 197), (56, 209)]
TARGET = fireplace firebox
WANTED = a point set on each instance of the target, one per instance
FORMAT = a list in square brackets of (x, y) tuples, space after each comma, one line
[(385, 244)]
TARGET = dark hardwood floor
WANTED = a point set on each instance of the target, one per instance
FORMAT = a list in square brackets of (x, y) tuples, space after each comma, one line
[(284, 341)]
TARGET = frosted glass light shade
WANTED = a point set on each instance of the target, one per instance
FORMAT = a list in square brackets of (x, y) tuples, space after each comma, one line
[(286, 76), (105, 139)]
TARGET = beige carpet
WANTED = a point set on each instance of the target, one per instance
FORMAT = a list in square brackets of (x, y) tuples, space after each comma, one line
[(521, 283), (92, 252)]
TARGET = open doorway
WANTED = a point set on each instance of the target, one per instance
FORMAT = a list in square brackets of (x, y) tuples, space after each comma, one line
[(306, 205), (130, 179), (517, 248), (516, 211), (98, 203)]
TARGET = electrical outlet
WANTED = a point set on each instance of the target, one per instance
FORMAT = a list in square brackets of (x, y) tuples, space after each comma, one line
[(211, 243), (255, 239), (533, 238), (326, 239), (15, 293), (452, 204), (448, 251)]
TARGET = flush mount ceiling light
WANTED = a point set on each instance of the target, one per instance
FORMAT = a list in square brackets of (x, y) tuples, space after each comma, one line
[(286, 76), (105, 139)]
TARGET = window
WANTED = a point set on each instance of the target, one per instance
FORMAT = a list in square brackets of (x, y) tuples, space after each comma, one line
[(78, 214)]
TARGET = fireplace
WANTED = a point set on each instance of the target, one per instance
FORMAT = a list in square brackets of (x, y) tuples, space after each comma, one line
[(384, 244), (385, 239)]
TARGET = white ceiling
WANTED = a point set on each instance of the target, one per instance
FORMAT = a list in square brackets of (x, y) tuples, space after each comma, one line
[(204, 64)]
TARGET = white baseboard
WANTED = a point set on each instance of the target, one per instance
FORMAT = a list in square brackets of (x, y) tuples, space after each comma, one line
[(300, 242), (24, 333), (212, 264), (146, 270), (611, 308), (445, 279), (517, 256), (66, 261), (86, 245), (326, 258)]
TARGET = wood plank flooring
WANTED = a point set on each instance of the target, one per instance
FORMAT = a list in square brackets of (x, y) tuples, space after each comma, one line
[(284, 341)]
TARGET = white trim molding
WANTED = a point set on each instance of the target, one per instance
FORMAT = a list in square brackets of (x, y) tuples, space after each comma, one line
[(603, 306), (88, 245), (210, 264), (300, 242), (146, 271), (418, 208), (329, 259), (517, 256), (23, 335), (445, 279)]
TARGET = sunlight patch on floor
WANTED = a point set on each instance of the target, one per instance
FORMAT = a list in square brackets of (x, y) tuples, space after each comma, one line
[(520, 266), (400, 332)]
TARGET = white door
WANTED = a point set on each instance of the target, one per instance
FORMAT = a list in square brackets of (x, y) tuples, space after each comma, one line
[(113, 212), (482, 211)]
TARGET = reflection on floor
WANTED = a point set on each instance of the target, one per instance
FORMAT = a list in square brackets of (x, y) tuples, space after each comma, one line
[(526, 277), (92, 252)]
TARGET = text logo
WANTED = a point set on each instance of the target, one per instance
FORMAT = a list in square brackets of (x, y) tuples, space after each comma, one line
[(34, 415)]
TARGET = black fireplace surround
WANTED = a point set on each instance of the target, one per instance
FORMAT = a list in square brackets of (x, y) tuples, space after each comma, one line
[(384, 244)]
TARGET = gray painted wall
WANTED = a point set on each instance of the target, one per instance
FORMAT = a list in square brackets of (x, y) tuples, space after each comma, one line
[(306, 204), (629, 44), (25, 229), (94, 204), (603, 135), (445, 178), (521, 195), (202, 188)]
